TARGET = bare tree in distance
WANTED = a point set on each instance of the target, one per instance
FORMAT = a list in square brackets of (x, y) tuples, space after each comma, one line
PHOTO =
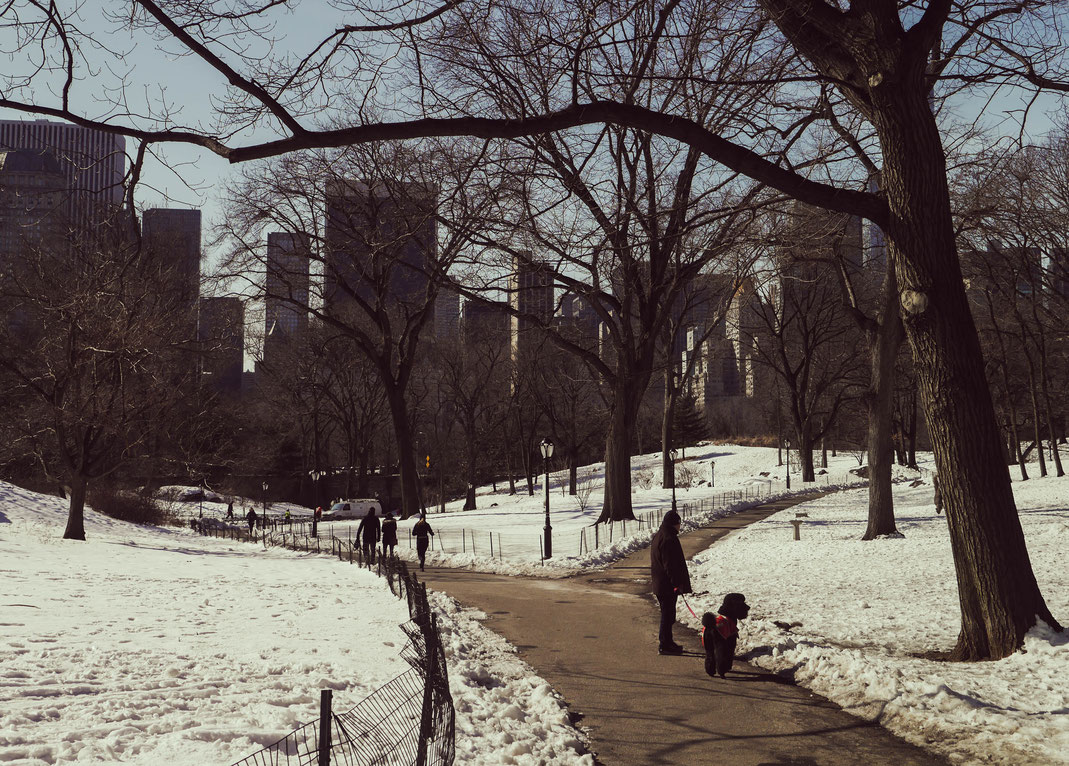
[(378, 253), (92, 336)]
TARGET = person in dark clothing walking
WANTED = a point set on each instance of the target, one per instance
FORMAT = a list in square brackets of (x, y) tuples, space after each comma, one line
[(369, 532), (389, 534), (423, 533), (251, 518), (668, 571)]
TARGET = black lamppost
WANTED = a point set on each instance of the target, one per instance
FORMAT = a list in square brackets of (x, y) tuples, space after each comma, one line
[(316, 475), (547, 452), (264, 498), (672, 454), (787, 446)]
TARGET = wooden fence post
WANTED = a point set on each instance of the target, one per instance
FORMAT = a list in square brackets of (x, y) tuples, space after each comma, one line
[(325, 718)]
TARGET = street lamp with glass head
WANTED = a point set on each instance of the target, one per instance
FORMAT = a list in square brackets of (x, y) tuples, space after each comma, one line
[(264, 498), (672, 453), (547, 452)]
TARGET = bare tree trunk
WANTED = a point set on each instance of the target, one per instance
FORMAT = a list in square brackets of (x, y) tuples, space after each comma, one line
[(618, 456), (407, 470), (1051, 435), (573, 471), (999, 597), (805, 458), (1037, 428), (884, 341), (668, 479), (76, 510)]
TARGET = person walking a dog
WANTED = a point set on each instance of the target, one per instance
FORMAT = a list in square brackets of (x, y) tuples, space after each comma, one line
[(671, 579)]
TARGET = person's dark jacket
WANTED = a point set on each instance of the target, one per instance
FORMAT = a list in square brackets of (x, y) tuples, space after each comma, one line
[(422, 529), (369, 528), (668, 566), (389, 531)]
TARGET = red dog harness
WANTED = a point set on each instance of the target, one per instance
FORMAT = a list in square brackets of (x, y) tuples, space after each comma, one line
[(725, 626)]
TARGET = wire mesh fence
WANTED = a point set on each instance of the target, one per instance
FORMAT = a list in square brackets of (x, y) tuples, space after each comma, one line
[(408, 722)]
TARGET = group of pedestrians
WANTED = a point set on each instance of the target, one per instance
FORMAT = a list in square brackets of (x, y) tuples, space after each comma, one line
[(372, 529)]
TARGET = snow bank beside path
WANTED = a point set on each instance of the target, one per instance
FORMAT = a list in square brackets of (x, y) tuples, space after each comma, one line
[(157, 646), (870, 613)]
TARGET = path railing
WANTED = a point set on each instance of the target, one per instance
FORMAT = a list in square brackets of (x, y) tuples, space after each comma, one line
[(408, 722)]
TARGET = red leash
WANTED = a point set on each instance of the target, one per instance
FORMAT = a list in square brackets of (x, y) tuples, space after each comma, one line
[(684, 595)]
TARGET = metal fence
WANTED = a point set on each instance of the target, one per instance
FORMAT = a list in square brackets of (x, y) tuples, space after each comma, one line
[(408, 722)]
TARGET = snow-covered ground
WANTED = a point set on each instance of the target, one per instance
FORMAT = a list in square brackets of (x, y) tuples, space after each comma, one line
[(157, 646), (870, 611), (227, 645)]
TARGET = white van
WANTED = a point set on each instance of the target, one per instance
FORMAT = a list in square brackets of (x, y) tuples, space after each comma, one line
[(352, 509)]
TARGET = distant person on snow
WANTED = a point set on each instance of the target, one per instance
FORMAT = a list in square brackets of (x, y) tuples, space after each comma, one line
[(668, 571), (389, 534), (251, 518), (422, 531), (230, 509), (369, 532)]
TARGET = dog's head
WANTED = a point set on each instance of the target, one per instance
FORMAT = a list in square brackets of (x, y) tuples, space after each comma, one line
[(735, 606)]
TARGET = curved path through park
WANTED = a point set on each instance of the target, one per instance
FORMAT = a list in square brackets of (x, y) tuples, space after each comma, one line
[(594, 638)]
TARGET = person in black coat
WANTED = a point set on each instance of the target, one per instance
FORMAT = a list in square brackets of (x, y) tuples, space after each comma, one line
[(422, 531), (251, 518), (668, 572), (389, 534), (369, 532)]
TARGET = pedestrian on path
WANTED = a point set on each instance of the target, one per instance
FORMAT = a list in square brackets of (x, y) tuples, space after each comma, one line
[(369, 531), (389, 534), (423, 533), (251, 518), (671, 579)]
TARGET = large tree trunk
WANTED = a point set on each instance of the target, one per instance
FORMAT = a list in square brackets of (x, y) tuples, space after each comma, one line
[(76, 510), (884, 342), (618, 455), (407, 470), (997, 589), (573, 471)]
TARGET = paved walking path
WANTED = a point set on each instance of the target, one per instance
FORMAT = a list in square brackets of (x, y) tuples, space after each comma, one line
[(594, 638)]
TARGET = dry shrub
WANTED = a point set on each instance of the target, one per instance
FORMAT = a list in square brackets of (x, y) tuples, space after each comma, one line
[(130, 506)]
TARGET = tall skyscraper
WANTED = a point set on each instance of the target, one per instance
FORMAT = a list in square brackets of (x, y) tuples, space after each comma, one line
[(446, 314), (171, 242), (484, 322), (381, 244), (92, 162), (286, 294), (530, 294), (33, 209), (221, 336)]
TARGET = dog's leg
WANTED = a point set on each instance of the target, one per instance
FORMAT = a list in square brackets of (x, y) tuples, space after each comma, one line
[(710, 654), (725, 649)]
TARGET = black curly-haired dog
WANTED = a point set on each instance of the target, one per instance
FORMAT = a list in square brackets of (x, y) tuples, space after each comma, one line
[(720, 633)]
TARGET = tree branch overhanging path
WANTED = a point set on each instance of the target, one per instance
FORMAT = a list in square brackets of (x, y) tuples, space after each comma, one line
[(875, 54)]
